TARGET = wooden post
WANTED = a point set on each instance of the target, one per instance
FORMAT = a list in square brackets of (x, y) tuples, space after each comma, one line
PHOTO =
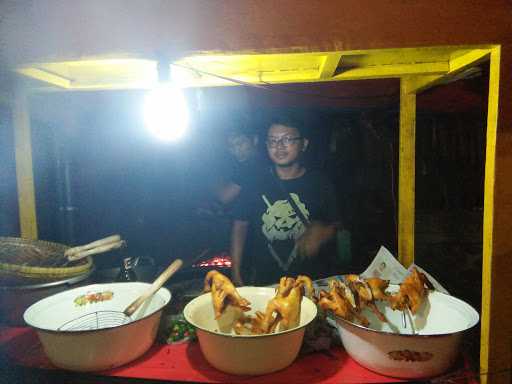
[(496, 327), (24, 172), (406, 174)]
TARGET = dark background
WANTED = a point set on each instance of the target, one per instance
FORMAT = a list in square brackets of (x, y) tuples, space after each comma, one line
[(123, 180)]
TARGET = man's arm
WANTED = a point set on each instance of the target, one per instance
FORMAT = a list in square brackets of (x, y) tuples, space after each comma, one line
[(322, 229), (317, 233), (238, 237)]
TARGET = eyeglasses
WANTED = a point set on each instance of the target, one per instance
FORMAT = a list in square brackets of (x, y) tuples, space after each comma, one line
[(285, 141)]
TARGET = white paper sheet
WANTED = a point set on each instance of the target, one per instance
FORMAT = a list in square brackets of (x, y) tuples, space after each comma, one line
[(385, 266)]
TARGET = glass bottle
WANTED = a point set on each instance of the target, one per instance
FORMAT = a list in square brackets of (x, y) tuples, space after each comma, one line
[(127, 272)]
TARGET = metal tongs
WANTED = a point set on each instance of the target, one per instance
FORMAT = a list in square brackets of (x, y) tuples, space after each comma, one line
[(99, 246)]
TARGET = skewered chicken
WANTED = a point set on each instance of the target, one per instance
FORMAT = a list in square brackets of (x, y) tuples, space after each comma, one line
[(413, 291), (224, 293), (367, 291), (340, 300), (360, 293), (378, 287)]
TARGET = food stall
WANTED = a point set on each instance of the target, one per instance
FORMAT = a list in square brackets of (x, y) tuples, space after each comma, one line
[(420, 43)]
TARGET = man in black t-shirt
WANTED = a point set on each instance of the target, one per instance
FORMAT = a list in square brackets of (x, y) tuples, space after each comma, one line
[(285, 217), (242, 144)]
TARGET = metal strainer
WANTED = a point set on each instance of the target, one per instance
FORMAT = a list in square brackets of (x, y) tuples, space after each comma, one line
[(109, 319)]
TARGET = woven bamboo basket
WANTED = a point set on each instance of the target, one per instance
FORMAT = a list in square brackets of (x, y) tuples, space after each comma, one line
[(38, 259)]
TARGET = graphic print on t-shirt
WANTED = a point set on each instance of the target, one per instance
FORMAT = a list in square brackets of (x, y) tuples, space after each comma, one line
[(281, 223)]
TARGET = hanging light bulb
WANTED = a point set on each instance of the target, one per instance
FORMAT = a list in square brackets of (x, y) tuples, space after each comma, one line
[(166, 112)]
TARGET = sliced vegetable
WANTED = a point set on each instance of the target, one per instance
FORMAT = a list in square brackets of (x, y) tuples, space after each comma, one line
[(176, 330)]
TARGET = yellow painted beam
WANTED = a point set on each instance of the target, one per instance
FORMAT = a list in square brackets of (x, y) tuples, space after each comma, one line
[(46, 76), (393, 70), (257, 67), (406, 175), (329, 66), (418, 84), (24, 172), (471, 58), (455, 65), (308, 75), (428, 51), (216, 69), (488, 219)]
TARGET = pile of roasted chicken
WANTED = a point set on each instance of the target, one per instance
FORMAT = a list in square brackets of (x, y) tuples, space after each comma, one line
[(345, 299), (282, 311), (348, 299)]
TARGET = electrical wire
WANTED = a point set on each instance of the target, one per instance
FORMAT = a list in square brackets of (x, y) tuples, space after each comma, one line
[(284, 89)]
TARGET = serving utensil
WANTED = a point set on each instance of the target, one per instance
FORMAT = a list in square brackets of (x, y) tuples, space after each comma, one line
[(109, 318), (98, 246)]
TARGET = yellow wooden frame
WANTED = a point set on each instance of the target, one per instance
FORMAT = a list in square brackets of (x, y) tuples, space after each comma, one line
[(207, 69), (488, 220), (417, 68), (24, 172)]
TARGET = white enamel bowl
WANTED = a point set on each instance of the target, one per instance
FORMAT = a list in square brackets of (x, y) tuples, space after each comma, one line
[(105, 348), (246, 354), (440, 324)]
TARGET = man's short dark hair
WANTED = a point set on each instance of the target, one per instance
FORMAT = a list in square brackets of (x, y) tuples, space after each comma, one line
[(239, 124), (294, 120)]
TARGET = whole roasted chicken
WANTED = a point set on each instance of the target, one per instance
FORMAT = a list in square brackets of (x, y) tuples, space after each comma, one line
[(284, 308), (282, 311), (224, 293)]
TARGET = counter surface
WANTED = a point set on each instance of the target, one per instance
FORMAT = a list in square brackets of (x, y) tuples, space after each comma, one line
[(185, 363)]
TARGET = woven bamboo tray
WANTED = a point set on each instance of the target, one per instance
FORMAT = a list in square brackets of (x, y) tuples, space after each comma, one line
[(38, 259)]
